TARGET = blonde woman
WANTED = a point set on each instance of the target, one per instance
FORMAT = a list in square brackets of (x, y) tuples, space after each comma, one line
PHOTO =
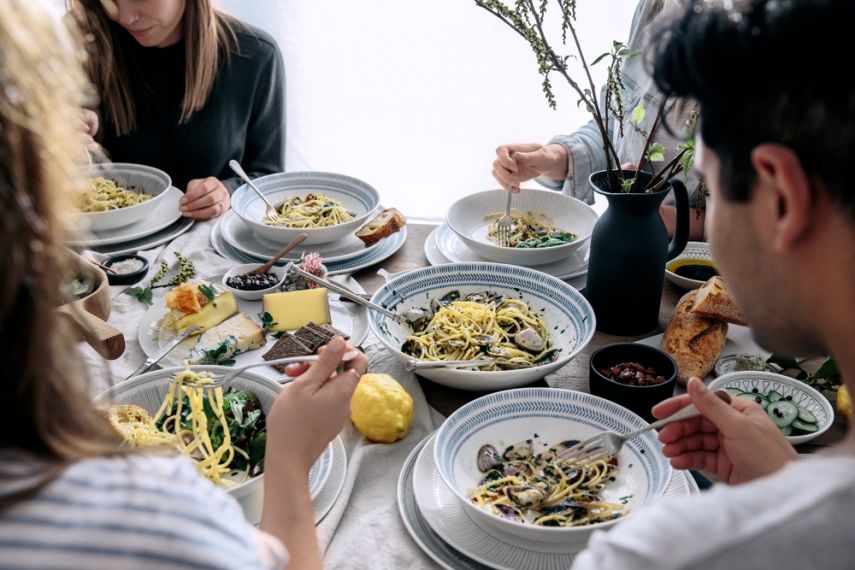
[(186, 89), (70, 496)]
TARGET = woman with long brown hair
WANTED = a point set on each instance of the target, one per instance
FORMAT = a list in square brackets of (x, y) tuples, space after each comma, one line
[(70, 496), (186, 89)]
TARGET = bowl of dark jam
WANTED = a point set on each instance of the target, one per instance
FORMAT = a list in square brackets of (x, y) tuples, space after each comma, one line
[(253, 287), (693, 267)]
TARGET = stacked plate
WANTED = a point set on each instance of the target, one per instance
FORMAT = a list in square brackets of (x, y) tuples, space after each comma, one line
[(234, 240), (444, 523)]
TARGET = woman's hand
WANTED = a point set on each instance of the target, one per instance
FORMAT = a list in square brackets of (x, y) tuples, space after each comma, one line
[(313, 409), (736, 441), (89, 126), (517, 163), (205, 198)]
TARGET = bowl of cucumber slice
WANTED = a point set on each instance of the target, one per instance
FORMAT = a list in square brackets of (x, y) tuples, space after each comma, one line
[(799, 411)]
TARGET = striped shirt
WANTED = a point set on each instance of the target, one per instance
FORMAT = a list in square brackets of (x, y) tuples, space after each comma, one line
[(139, 511)]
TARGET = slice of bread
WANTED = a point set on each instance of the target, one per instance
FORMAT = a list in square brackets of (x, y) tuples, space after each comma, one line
[(125, 417), (383, 225), (714, 302)]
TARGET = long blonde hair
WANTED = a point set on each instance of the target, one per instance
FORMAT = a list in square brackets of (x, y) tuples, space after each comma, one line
[(208, 35), (47, 412)]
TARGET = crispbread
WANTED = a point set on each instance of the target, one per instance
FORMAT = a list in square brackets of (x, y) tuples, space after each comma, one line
[(286, 347), (714, 301)]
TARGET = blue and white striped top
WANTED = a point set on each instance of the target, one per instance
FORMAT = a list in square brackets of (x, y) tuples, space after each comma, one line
[(140, 511)]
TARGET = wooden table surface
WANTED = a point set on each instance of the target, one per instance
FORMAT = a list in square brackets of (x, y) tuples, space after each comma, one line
[(572, 376)]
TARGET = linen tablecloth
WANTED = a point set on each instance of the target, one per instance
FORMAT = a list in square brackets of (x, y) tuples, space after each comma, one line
[(363, 529)]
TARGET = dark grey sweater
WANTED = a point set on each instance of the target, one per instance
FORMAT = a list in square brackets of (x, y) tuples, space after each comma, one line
[(243, 119)]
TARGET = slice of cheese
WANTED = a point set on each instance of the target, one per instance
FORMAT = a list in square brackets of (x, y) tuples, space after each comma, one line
[(238, 334), (294, 309), (210, 316)]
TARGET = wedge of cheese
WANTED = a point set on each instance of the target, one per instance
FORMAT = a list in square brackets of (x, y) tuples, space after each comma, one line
[(238, 334), (210, 315), (294, 309)]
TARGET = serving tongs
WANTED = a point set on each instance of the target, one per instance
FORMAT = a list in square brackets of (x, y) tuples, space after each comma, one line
[(415, 364), (348, 294)]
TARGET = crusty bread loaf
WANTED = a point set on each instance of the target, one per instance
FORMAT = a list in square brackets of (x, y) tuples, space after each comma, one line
[(383, 225), (714, 301), (693, 341)]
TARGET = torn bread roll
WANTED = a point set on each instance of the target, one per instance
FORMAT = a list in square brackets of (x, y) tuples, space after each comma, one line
[(383, 225), (714, 301), (692, 340)]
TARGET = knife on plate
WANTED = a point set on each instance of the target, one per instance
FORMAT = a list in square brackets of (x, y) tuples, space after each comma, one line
[(156, 357)]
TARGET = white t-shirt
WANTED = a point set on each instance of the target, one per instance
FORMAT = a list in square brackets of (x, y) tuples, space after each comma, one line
[(801, 517), (139, 511)]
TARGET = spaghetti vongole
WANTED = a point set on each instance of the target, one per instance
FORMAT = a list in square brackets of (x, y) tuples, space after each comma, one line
[(477, 326), (529, 230), (314, 211), (542, 488), (105, 195)]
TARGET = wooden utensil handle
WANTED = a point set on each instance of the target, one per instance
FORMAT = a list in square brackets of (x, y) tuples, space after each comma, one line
[(294, 243), (106, 340)]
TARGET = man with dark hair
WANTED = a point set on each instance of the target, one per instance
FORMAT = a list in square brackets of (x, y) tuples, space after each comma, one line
[(776, 133)]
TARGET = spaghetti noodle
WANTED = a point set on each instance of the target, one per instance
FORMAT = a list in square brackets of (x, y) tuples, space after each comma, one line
[(314, 211), (529, 230), (544, 489), (104, 195)]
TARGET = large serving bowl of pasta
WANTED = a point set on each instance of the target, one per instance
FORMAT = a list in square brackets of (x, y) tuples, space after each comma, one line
[(223, 430), (324, 205), (117, 194), (503, 456), (546, 226), (503, 326)]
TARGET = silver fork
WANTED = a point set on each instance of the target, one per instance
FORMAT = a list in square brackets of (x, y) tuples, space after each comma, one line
[(217, 381), (503, 224), (270, 210), (607, 444)]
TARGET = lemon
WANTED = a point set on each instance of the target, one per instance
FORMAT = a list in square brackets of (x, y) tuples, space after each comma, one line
[(381, 409), (844, 403)]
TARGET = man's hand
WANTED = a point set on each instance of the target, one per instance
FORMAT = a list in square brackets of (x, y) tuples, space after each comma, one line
[(736, 441), (205, 198), (517, 163)]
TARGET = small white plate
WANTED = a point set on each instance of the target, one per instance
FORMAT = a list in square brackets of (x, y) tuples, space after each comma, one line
[(239, 236), (456, 251), (693, 250), (334, 483), (163, 216), (350, 318)]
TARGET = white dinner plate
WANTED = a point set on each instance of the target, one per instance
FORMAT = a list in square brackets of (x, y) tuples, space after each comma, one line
[(437, 522), (165, 235), (386, 248), (349, 318), (331, 489), (452, 248), (162, 217), (239, 236)]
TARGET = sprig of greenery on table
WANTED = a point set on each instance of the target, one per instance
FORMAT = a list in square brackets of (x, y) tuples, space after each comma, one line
[(186, 272), (267, 322), (827, 376), (143, 294)]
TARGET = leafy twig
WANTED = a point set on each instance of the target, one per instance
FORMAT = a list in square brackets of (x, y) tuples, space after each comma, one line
[(827, 376)]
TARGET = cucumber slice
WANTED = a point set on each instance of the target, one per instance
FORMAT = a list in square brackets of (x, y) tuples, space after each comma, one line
[(805, 415), (786, 430), (774, 396), (734, 391), (804, 426), (783, 413), (756, 398)]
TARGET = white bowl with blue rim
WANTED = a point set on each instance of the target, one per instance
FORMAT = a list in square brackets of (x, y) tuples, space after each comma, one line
[(547, 416), (696, 253), (356, 196), (813, 414), (148, 391), (466, 218), (568, 316), (134, 177)]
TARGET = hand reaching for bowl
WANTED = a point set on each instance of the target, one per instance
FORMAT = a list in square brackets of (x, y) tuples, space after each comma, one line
[(205, 198), (516, 163), (738, 442)]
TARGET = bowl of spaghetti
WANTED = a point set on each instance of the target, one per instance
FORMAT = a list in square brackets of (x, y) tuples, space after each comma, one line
[(324, 205), (528, 324), (501, 454), (117, 194), (547, 225), (223, 430)]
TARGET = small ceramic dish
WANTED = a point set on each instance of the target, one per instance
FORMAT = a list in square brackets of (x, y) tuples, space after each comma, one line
[(126, 278), (697, 259), (255, 295), (815, 405), (726, 364)]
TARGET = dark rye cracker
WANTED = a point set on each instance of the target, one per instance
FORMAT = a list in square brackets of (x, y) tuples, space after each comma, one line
[(310, 338), (335, 331), (286, 347), (319, 330)]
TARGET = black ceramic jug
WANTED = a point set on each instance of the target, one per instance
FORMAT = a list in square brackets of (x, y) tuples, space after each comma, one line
[(629, 250)]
